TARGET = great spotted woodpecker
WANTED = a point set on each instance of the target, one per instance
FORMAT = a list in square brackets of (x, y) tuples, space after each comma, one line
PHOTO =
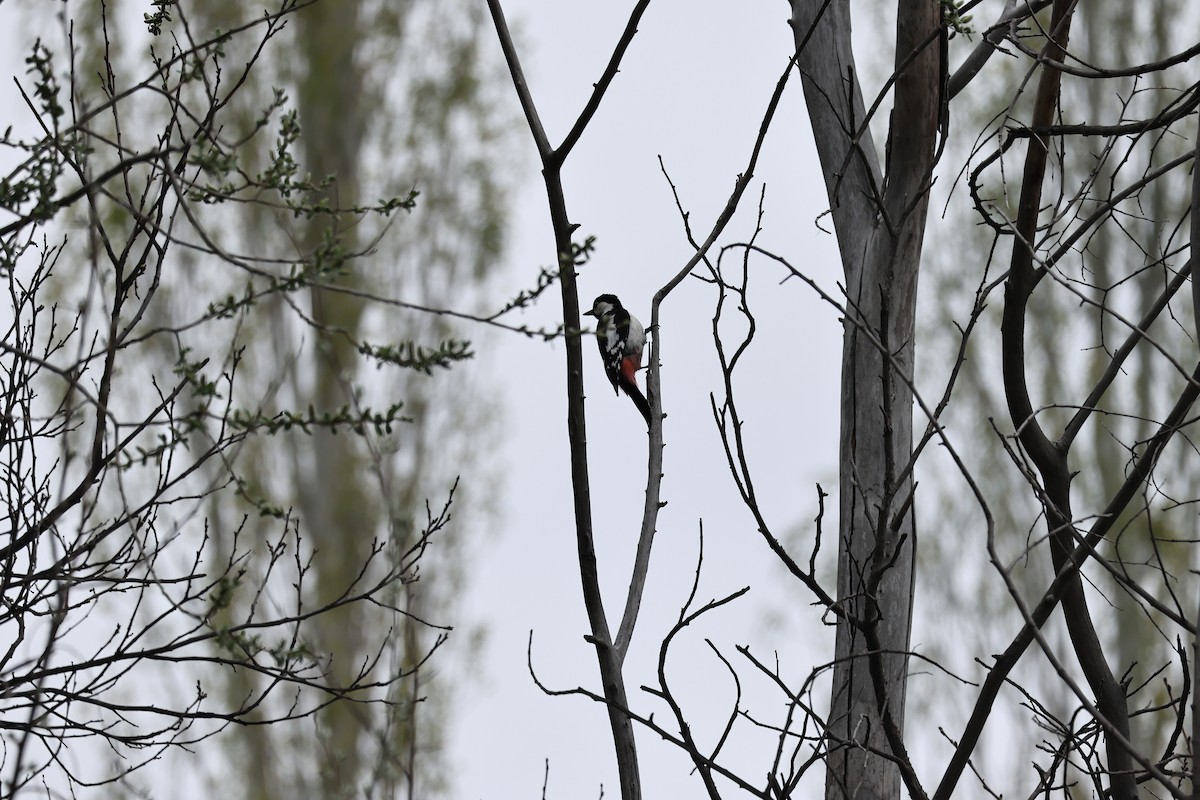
[(621, 339)]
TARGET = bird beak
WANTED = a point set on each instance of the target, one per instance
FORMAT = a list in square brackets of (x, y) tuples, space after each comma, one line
[(589, 313)]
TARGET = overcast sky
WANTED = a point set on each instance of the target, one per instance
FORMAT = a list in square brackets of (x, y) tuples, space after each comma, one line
[(693, 90)]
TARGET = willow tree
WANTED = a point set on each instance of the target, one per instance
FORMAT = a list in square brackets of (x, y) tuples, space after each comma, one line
[(388, 97), (330, 203)]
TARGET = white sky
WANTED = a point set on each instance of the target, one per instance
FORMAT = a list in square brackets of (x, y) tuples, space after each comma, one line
[(693, 89)]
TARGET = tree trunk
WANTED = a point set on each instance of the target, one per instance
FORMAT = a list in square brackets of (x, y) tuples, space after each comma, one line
[(338, 515), (879, 217)]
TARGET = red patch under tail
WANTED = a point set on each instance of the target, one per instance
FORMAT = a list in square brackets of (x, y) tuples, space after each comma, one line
[(629, 370)]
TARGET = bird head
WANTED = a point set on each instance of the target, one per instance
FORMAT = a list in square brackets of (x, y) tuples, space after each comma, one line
[(603, 305)]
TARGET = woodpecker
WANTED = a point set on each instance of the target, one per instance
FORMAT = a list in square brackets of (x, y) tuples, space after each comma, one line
[(621, 339)]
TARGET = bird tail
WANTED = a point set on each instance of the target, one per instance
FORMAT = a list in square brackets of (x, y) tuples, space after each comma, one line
[(639, 399)]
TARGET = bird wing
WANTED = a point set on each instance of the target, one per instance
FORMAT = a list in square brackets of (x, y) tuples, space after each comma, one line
[(611, 352)]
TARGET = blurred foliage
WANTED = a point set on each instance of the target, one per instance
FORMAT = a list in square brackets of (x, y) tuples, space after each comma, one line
[(367, 140), (963, 607)]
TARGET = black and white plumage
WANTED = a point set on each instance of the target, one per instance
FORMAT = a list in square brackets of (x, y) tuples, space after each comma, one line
[(621, 339)]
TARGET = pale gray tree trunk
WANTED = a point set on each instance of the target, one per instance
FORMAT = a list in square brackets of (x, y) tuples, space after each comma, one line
[(879, 216)]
